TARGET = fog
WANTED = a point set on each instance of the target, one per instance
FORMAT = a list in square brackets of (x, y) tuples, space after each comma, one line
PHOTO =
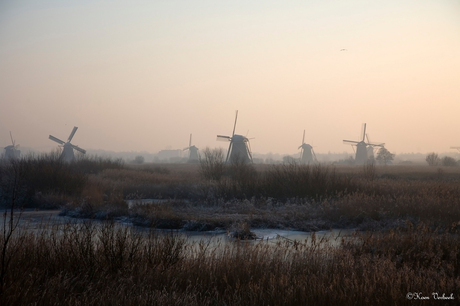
[(144, 75)]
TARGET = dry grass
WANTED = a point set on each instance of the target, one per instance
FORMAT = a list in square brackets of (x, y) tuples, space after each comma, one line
[(412, 214), (283, 196), (89, 264)]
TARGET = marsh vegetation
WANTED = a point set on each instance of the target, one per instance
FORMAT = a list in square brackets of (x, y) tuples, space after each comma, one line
[(407, 240)]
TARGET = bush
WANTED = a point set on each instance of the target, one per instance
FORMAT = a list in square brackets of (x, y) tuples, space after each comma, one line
[(448, 161), (432, 159), (46, 176), (212, 165)]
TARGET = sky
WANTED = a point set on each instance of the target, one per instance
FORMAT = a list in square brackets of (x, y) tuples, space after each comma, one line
[(143, 75)]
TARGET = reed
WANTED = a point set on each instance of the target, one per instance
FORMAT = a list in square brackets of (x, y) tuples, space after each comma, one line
[(105, 264)]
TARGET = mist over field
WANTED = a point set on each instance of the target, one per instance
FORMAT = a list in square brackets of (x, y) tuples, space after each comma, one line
[(141, 76)]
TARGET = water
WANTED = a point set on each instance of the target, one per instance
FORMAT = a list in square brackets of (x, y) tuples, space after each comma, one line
[(34, 220)]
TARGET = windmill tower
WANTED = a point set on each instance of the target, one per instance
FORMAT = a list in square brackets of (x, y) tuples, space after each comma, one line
[(11, 151), (239, 149), (67, 154), (193, 156), (307, 155), (363, 148), (370, 150)]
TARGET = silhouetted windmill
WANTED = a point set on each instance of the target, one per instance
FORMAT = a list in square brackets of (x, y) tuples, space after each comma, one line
[(239, 149), (307, 155), (362, 148), (11, 151), (67, 152), (193, 152)]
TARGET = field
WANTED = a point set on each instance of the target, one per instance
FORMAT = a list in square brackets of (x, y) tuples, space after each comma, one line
[(406, 246)]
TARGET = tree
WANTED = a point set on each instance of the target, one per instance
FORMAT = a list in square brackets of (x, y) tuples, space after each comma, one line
[(212, 165), (139, 159), (448, 161), (432, 159), (384, 156)]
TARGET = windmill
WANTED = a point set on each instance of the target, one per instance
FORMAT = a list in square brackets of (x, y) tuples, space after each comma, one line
[(193, 157), (370, 149), (363, 148), (239, 149), (67, 152), (307, 155), (11, 151)]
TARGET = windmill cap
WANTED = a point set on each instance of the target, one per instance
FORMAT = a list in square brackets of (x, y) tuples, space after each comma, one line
[(239, 138)]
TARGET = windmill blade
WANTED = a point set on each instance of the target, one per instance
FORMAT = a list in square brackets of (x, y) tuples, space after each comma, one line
[(364, 132), (190, 142), (313, 151), (376, 144), (350, 141), (228, 152), (78, 149), (249, 151), (56, 140), (73, 133), (184, 149), (223, 138), (303, 138), (11, 136), (234, 126)]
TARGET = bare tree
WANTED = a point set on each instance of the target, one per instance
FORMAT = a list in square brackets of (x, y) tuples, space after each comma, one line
[(212, 164), (139, 159), (432, 159), (448, 161), (384, 156), (11, 176)]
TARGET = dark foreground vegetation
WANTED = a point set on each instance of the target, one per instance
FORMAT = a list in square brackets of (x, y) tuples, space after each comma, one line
[(89, 264), (408, 217)]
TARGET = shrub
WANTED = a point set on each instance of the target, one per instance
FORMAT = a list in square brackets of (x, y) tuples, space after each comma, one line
[(212, 164), (432, 159), (448, 161)]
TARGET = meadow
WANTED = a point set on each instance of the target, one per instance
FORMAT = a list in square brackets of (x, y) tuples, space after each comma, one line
[(406, 246)]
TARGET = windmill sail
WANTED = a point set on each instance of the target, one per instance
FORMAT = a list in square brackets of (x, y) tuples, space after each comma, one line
[(364, 148), (239, 149), (67, 147), (307, 156)]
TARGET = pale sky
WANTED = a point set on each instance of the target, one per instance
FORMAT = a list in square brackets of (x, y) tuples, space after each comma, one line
[(141, 75)]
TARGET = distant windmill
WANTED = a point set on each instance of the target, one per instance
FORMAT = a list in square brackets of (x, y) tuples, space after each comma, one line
[(307, 155), (363, 148), (11, 151), (193, 157), (67, 152), (370, 149), (239, 148)]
